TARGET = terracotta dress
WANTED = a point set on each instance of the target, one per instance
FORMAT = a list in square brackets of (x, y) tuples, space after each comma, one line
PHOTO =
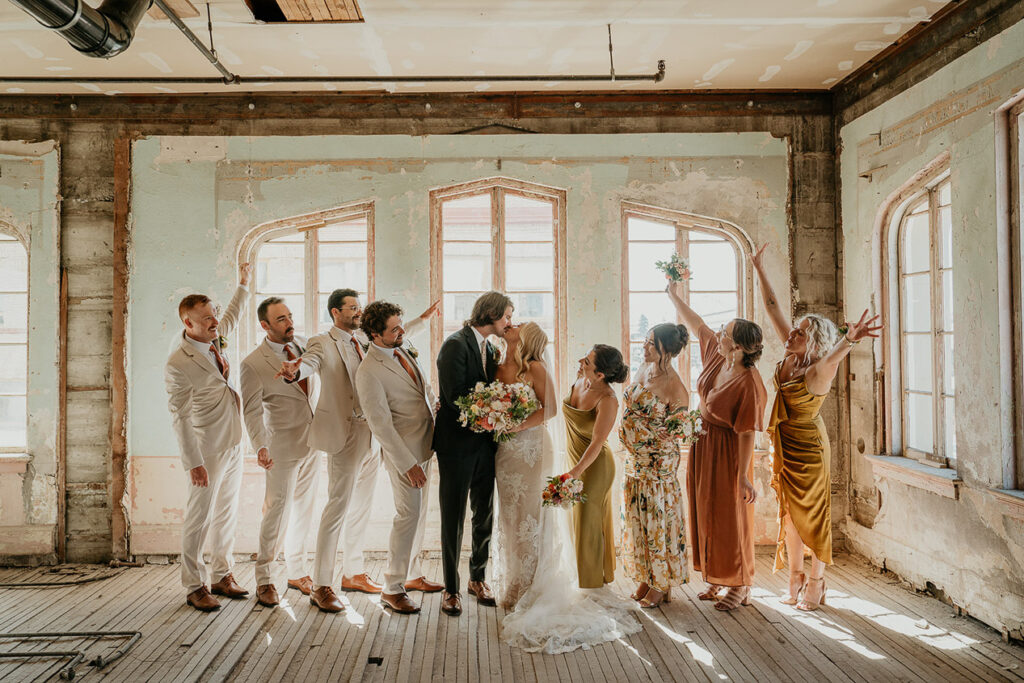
[(800, 467), (592, 519), (653, 527), (721, 524)]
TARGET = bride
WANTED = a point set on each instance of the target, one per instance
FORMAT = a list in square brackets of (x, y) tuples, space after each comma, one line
[(552, 615)]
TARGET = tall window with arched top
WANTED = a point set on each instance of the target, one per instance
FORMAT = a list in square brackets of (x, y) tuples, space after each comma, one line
[(719, 288), (13, 343), (924, 259), (304, 258), (500, 234)]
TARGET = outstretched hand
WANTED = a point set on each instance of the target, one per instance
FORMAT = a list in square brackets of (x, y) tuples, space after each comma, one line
[(863, 328), (244, 273), (757, 259), (674, 288), (432, 309), (289, 370)]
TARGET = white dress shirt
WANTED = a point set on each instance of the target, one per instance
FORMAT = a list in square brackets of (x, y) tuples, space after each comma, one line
[(204, 348), (481, 342)]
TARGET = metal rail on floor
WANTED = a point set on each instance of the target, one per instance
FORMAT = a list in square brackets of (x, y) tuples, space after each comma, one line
[(77, 656)]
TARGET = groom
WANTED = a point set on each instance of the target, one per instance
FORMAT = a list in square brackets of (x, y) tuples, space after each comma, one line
[(465, 459)]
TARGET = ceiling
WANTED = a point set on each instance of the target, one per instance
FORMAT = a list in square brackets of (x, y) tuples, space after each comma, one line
[(707, 44)]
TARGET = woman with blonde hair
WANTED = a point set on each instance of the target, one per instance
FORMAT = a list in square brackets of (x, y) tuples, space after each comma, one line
[(518, 466), (800, 447)]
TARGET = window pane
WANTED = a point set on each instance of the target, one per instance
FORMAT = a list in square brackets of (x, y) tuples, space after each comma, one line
[(13, 266), (636, 357), (468, 218), (14, 318), (646, 311), (917, 362), (528, 220), (353, 230), (457, 308), (716, 309), (916, 245), (917, 311), (529, 267), (467, 266), (713, 266), (12, 421), (948, 375), (13, 369), (643, 274), (946, 232), (919, 421), (537, 307), (646, 229), (945, 193), (949, 431), (279, 268), (947, 300), (342, 265)]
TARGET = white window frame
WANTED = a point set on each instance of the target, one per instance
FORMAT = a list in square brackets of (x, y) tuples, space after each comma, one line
[(16, 238)]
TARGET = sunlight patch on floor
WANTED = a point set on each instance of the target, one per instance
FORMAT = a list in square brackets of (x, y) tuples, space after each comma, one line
[(698, 653), (918, 629)]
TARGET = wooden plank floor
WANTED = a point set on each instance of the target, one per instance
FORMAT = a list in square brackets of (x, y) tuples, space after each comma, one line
[(872, 629)]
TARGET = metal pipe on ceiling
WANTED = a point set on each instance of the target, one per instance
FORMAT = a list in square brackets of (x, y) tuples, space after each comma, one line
[(104, 32), (194, 39)]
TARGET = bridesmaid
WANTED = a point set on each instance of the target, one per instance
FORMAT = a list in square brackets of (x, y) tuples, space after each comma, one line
[(801, 453), (720, 467), (590, 412), (653, 532)]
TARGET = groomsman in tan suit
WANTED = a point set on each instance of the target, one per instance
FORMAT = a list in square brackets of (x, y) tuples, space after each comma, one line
[(399, 405), (277, 416), (339, 429), (205, 411)]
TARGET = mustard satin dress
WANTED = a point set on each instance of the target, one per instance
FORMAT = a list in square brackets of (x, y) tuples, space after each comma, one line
[(801, 473), (592, 527)]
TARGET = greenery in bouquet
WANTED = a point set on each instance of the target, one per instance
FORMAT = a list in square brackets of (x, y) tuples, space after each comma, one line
[(496, 408), (563, 491), (685, 425), (676, 268)]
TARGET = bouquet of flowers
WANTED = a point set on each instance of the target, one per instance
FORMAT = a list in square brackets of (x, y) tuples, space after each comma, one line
[(496, 407), (685, 425), (563, 491), (676, 268)]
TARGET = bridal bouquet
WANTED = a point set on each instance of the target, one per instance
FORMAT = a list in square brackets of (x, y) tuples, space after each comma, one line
[(563, 491), (496, 407), (685, 425), (676, 268)]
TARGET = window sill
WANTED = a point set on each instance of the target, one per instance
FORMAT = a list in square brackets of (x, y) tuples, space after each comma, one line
[(1012, 502), (14, 462), (940, 481)]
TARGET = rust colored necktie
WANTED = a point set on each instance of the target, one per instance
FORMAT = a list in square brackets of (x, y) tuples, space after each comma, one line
[(303, 383), (359, 349), (408, 367), (222, 362)]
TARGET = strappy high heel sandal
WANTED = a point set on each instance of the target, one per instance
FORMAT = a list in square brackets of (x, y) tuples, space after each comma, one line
[(797, 585), (711, 593), (808, 605), (734, 598), (640, 592), (665, 597)]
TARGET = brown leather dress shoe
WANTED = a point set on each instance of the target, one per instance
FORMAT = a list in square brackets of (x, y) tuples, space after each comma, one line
[(228, 588), (451, 604), (362, 583), (326, 599), (201, 599), (267, 595), (303, 585), (399, 602), (483, 593), (421, 584)]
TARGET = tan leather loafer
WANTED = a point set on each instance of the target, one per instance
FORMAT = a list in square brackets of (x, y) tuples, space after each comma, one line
[(303, 585), (267, 595), (451, 604), (399, 602), (228, 588), (362, 583), (423, 585), (201, 599), (483, 593), (326, 600)]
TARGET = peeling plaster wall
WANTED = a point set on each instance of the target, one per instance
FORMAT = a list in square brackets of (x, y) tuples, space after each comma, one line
[(967, 548), (194, 199), (29, 209)]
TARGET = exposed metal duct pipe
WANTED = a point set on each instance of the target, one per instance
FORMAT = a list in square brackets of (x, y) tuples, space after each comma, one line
[(102, 32)]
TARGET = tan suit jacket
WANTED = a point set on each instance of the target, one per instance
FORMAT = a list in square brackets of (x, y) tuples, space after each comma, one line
[(204, 406), (277, 415), (400, 411)]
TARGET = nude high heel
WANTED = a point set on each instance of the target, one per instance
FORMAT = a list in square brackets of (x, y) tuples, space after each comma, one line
[(806, 605), (797, 585), (734, 598)]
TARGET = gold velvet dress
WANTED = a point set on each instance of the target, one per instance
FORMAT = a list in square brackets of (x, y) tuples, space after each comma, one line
[(591, 520), (800, 468)]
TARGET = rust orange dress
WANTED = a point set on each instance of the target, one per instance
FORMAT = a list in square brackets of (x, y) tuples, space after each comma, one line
[(721, 524)]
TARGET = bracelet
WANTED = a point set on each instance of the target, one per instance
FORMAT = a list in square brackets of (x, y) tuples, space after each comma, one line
[(850, 341)]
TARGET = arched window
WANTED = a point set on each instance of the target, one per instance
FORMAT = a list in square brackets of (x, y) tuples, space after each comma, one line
[(500, 234), (305, 258), (719, 289), (13, 343)]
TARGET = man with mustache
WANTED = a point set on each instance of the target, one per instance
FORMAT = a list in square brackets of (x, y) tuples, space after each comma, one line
[(205, 411), (277, 417)]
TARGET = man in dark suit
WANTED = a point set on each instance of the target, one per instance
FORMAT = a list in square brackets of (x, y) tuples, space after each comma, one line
[(465, 458)]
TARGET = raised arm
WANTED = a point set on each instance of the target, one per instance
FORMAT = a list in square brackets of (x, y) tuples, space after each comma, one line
[(607, 410), (690, 318), (819, 377), (229, 318), (780, 321)]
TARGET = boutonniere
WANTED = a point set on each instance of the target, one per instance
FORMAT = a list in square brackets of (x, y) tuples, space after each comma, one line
[(222, 342), (412, 351)]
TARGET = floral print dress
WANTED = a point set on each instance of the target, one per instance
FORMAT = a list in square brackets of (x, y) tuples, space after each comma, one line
[(653, 528)]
